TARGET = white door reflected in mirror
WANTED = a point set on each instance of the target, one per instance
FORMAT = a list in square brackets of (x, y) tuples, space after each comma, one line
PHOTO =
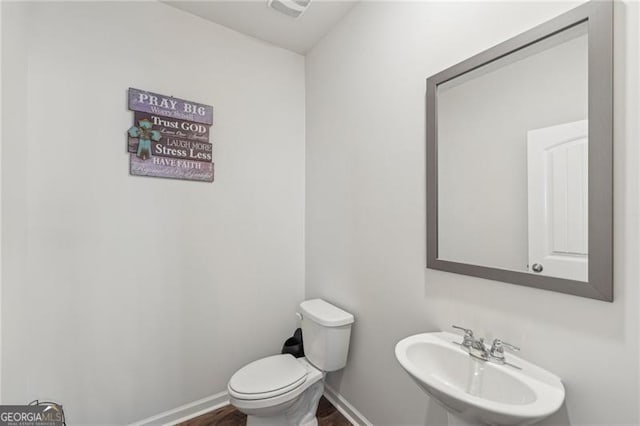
[(558, 200)]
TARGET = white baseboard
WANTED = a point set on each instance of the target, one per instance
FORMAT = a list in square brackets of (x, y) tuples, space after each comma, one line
[(219, 400), (345, 408), (187, 411)]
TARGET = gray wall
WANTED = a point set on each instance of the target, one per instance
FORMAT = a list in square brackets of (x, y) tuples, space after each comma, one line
[(124, 296), (366, 214)]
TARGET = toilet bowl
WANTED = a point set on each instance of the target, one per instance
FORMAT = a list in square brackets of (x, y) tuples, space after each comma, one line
[(277, 390), (283, 390)]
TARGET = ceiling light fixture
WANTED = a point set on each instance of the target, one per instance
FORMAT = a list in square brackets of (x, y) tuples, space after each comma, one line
[(292, 8)]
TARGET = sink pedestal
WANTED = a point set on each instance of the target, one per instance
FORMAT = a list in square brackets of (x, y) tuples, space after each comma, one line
[(454, 420)]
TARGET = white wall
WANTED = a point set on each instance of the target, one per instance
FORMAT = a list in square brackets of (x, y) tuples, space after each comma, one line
[(366, 214), (127, 296), (1, 127)]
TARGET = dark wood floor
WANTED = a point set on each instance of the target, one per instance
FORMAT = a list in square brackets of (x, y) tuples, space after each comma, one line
[(229, 416)]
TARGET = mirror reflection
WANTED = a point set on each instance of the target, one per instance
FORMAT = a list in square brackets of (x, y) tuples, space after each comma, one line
[(513, 160)]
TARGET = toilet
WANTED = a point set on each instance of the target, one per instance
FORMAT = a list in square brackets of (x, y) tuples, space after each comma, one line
[(283, 390)]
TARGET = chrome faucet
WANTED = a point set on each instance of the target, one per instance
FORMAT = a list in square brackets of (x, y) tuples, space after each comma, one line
[(478, 349)]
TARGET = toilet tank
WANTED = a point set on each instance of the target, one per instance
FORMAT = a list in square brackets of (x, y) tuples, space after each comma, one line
[(326, 330)]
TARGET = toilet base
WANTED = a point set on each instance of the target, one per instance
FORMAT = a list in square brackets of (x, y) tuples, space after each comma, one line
[(301, 413), (274, 421)]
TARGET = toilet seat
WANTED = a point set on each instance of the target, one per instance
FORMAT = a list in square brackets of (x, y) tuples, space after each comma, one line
[(261, 404), (267, 378)]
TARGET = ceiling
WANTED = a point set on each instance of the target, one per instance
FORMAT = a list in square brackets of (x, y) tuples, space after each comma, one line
[(256, 19)]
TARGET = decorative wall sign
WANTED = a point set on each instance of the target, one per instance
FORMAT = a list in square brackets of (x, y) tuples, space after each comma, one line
[(170, 137)]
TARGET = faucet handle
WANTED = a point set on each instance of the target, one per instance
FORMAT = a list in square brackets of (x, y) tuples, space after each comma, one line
[(468, 336), (509, 346), (497, 349), (466, 330)]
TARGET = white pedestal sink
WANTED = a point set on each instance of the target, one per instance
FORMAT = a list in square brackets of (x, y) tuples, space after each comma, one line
[(475, 391)]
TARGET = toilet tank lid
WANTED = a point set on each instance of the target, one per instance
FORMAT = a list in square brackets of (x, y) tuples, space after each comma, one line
[(325, 313)]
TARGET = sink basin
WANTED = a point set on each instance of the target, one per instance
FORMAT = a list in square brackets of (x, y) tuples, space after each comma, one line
[(475, 391)]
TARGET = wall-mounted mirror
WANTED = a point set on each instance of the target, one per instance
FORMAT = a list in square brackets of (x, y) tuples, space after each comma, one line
[(519, 158)]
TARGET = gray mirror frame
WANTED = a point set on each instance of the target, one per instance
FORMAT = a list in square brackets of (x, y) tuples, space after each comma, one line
[(599, 16)]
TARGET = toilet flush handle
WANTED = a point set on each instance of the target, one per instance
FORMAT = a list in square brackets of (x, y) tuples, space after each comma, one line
[(299, 315)]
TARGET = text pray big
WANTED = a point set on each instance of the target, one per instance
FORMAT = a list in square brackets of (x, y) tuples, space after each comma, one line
[(169, 103)]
